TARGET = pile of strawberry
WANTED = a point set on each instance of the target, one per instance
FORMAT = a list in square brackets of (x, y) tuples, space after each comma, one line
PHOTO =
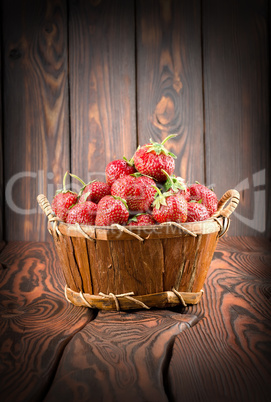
[(137, 192)]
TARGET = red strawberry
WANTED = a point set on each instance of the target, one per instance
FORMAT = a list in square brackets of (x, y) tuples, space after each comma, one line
[(169, 207), (111, 210), (83, 213), (116, 169), (95, 191), (151, 159), (196, 211), (209, 199), (185, 193), (141, 220), (137, 190), (63, 200)]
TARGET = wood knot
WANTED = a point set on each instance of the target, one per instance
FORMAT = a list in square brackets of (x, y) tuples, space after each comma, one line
[(49, 28), (15, 54), (164, 111), (177, 85)]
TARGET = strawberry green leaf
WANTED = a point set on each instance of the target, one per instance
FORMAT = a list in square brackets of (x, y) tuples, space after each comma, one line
[(160, 198), (129, 161), (159, 148), (121, 199), (134, 218), (174, 183), (85, 196), (138, 174)]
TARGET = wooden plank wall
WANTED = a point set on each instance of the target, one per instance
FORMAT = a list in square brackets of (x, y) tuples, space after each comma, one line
[(84, 82)]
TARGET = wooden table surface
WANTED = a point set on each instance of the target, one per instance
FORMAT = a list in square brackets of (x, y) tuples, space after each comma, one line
[(218, 350)]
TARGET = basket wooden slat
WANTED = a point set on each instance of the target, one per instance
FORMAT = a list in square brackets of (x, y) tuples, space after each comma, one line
[(156, 266)]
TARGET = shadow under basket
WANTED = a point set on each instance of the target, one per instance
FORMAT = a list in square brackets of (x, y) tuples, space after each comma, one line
[(121, 268)]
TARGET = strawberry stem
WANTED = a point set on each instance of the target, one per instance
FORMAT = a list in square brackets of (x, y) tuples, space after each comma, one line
[(159, 148), (168, 138), (78, 178), (64, 181)]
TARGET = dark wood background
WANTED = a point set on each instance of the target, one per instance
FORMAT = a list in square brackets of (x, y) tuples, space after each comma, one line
[(84, 82)]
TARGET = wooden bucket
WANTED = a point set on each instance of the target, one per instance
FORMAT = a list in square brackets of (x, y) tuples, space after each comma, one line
[(121, 268)]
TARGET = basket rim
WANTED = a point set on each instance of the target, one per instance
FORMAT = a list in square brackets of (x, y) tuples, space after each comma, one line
[(218, 222), (150, 232)]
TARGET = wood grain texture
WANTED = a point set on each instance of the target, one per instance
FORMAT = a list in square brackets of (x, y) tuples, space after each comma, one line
[(53, 350), (102, 84), (35, 100), (227, 355), (2, 235), (36, 320), (169, 80), (236, 93), (119, 357)]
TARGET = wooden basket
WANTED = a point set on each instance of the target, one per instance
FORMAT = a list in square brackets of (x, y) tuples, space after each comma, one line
[(121, 268)]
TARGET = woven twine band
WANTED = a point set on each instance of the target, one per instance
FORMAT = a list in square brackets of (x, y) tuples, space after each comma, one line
[(178, 225), (178, 294), (127, 296), (81, 295), (66, 296), (78, 227), (124, 229), (223, 228), (47, 209), (56, 221), (85, 300), (220, 224)]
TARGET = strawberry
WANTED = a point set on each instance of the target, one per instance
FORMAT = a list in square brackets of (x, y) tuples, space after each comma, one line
[(141, 220), (151, 159), (137, 190), (63, 200), (118, 168), (168, 207), (176, 185), (111, 210), (196, 211), (209, 199), (82, 213), (95, 191)]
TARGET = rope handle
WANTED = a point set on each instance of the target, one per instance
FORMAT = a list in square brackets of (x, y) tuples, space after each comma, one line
[(231, 197), (45, 206)]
